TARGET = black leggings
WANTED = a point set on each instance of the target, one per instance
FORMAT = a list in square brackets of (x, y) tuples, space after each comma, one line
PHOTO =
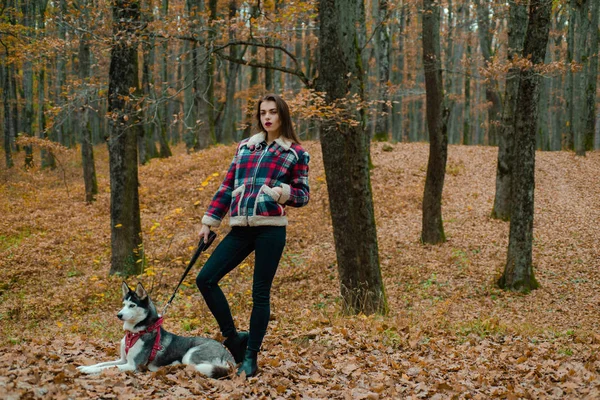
[(268, 243)]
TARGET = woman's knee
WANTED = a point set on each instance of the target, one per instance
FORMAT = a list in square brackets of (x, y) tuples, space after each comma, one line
[(261, 297), (204, 281)]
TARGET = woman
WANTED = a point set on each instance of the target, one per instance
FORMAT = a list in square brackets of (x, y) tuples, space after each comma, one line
[(269, 172)]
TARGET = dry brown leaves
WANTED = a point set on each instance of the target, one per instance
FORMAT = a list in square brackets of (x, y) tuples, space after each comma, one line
[(451, 332)]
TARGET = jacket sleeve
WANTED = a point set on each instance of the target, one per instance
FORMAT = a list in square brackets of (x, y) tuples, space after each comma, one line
[(297, 193), (222, 199)]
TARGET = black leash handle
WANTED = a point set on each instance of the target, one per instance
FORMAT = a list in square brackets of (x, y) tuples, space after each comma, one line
[(201, 247)]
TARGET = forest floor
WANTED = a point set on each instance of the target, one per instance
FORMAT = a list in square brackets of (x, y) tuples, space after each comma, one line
[(451, 332)]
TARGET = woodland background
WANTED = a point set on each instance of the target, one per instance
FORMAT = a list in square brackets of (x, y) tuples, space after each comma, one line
[(450, 331), (200, 67)]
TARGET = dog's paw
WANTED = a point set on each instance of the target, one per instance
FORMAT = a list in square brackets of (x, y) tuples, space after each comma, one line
[(127, 367), (89, 369)]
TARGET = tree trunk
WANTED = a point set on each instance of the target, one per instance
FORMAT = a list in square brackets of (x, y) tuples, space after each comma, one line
[(28, 110), (228, 126), (557, 103), (542, 132), (14, 106), (448, 64), (268, 72), (277, 54), (361, 37), (517, 24), (28, 114), (87, 148), (7, 114), (126, 233), (71, 137), (592, 80), (491, 85), (467, 135), (397, 117), (345, 149), (205, 90), (58, 128), (455, 81), (437, 116), (518, 273), (146, 143), (480, 115), (415, 115), (569, 141), (382, 47), (248, 118), (163, 111), (449, 50), (252, 84), (163, 56), (557, 90), (189, 60), (580, 57), (48, 160)]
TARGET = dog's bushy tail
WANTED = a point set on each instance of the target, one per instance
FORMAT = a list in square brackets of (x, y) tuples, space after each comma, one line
[(220, 372), (213, 370)]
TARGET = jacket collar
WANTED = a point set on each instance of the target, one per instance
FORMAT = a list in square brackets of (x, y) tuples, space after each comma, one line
[(260, 137)]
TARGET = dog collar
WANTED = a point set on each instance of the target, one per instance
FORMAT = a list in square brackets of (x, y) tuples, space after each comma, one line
[(132, 337)]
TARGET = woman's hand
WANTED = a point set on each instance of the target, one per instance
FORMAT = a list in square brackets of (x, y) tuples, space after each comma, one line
[(278, 190), (204, 231)]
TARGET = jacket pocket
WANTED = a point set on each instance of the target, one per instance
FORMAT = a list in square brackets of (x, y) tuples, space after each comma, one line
[(266, 204), (236, 200)]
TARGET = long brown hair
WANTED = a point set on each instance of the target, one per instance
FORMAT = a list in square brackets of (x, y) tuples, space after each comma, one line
[(287, 129)]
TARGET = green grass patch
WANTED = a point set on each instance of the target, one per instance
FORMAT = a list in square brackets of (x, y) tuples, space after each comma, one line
[(392, 338), (481, 327), (460, 258), (566, 351), (432, 280), (11, 241), (73, 273), (455, 169), (190, 324)]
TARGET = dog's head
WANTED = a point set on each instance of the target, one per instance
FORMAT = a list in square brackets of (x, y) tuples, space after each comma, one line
[(136, 305)]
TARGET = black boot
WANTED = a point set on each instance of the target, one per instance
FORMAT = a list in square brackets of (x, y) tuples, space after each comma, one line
[(236, 345), (249, 365)]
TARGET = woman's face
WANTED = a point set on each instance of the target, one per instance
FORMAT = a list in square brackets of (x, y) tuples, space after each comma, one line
[(269, 117)]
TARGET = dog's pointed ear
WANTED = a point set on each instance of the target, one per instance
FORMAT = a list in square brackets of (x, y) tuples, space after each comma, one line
[(125, 289), (140, 291)]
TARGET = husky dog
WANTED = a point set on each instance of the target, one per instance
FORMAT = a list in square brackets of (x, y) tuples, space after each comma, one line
[(146, 343)]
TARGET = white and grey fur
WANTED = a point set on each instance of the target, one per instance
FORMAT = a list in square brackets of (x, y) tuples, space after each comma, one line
[(208, 356)]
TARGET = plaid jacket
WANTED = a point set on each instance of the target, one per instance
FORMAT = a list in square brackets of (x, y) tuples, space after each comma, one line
[(247, 190)]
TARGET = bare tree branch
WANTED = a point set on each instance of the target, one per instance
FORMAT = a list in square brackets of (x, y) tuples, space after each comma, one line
[(257, 44), (296, 72)]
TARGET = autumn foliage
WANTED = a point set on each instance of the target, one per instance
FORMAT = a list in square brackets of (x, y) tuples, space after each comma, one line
[(450, 331)]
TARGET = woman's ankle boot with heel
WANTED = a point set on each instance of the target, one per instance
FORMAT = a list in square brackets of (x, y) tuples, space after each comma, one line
[(249, 364), (236, 345)]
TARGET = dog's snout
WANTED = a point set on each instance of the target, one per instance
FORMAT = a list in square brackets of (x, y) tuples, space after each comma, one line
[(120, 316)]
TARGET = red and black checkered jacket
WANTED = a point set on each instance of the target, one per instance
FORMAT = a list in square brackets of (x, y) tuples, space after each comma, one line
[(247, 190)]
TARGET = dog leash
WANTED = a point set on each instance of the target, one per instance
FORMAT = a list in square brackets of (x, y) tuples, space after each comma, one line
[(201, 247)]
